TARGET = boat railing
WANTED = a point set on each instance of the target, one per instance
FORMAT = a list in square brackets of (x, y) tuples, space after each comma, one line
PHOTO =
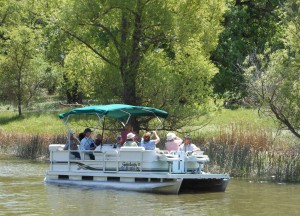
[(128, 159)]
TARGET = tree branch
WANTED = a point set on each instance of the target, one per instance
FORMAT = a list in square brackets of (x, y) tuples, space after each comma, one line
[(108, 32), (280, 116), (91, 48)]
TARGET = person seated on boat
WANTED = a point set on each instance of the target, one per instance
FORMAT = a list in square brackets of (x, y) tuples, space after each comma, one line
[(128, 129), (118, 141), (81, 136), (149, 144), (130, 140), (173, 142), (87, 142), (187, 145), (72, 145), (98, 140)]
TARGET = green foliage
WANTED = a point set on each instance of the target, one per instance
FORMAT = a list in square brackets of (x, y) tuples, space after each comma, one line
[(277, 79), (23, 67), (250, 26), (118, 50)]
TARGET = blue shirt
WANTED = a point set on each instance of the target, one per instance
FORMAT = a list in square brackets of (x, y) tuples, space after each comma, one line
[(148, 145), (85, 143)]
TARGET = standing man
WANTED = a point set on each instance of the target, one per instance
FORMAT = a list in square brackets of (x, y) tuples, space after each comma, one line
[(187, 145)]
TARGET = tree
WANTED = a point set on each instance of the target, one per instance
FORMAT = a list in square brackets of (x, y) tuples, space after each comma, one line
[(250, 26), (22, 68), (274, 78), (22, 63), (156, 51)]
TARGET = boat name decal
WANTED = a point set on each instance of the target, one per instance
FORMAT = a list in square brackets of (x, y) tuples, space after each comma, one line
[(130, 166)]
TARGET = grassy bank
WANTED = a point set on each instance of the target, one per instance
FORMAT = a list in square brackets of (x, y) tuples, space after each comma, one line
[(237, 141), (38, 122), (33, 123)]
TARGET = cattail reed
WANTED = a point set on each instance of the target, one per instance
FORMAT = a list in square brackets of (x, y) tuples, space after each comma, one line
[(245, 151), (28, 146)]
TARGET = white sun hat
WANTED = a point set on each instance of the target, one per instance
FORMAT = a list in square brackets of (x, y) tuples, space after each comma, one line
[(130, 135), (170, 136)]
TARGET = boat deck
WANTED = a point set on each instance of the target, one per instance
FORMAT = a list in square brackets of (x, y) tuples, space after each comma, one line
[(134, 168)]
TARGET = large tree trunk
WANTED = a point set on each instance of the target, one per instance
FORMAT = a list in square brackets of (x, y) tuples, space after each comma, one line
[(130, 58), (19, 93), (73, 95), (20, 106)]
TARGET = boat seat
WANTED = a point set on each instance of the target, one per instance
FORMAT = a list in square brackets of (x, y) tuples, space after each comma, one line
[(168, 157), (111, 152), (198, 158), (128, 148), (150, 156), (105, 148), (158, 151), (131, 153), (56, 147)]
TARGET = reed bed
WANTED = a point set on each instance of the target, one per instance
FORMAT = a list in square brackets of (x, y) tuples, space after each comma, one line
[(240, 150), (34, 147), (245, 151)]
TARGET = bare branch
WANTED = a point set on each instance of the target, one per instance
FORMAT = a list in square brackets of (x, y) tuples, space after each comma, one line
[(91, 48), (98, 24)]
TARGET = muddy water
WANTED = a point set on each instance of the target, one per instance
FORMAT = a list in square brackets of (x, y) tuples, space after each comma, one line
[(23, 192)]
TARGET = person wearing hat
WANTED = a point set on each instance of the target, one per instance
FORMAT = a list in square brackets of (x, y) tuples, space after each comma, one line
[(173, 142), (87, 142), (130, 140), (128, 129), (149, 144), (187, 145)]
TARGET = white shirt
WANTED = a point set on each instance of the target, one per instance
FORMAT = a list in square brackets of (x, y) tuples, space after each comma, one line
[(188, 147)]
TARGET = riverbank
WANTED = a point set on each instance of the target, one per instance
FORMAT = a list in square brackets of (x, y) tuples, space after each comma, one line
[(47, 121), (254, 159), (237, 142)]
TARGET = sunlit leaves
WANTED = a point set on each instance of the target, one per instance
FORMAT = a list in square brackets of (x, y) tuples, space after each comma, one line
[(22, 62)]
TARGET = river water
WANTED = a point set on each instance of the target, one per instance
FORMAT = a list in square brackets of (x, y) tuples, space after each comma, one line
[(23, 192)]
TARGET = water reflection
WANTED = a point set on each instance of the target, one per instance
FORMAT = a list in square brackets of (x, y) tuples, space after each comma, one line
[(22, 192)]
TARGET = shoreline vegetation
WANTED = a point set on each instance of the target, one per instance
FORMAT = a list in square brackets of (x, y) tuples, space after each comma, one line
[(235, 146)]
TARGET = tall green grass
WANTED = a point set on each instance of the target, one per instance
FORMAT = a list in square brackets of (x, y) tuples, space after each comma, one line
[(33, 123), (47, 122)]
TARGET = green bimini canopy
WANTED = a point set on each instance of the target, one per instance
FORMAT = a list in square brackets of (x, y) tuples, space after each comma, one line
[(117, 111)]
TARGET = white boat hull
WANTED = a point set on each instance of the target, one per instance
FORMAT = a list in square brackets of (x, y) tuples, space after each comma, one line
[(150, 187), (135, 169)]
